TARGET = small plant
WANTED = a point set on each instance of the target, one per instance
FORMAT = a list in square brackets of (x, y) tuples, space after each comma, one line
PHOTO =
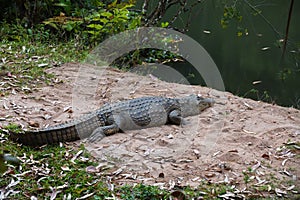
[(284, 74), (231, 13), (24, 60), (13, 128), (141, 192), (247, 175), (256, 94), (293, 146), (96, 24)]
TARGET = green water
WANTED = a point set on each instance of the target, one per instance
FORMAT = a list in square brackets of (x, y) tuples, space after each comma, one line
[(242, 61), (253, 57)]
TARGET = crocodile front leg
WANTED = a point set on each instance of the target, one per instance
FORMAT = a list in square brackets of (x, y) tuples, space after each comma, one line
[(175, 117), (100, 132)]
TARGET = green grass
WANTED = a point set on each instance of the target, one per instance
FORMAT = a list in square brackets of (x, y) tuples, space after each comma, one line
[(47, 169), (13, 128), (23, 64), (51, 168)]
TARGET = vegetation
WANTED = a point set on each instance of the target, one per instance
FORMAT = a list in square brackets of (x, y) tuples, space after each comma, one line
[(65, 32)]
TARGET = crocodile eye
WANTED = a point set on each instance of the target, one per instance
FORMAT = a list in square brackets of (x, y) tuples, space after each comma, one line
[(199, 98)]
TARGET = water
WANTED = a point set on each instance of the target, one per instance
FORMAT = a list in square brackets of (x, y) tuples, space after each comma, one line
[(252, 58), (255, 57)]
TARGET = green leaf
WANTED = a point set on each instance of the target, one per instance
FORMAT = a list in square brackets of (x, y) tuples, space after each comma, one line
[(106, 14), (68, 27), (164, 24), (61, 4), (51, 24), (29, 31), (95, 26), (104, 20)]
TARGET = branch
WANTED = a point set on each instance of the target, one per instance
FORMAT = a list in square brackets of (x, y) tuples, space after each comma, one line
[(183, 4), (287, 31), (162, 7), (263, 17), (145, 10)]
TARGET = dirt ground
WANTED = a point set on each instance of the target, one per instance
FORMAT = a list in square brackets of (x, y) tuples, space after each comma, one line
[(220, 145)]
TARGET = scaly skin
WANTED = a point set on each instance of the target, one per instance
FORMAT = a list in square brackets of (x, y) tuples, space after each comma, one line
[(132, 114)]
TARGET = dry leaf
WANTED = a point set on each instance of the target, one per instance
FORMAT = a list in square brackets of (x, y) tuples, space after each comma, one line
[(283, 162), (256, 82), (65, 168), (91, 169), (280, 192), (248, 106), (85, 196), (266, 156), (34, 124), (43, 65), (265, 48)]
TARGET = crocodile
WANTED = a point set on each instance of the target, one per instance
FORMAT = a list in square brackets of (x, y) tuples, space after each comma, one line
[(116, 117)]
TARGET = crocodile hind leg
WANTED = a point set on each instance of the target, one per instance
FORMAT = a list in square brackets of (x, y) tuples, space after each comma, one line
[(100, 132)]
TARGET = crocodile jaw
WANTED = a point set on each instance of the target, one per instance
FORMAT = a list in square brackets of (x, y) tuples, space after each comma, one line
[(193, 105)]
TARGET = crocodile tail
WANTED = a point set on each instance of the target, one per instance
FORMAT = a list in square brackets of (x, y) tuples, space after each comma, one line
[(67, 132), (46, 136)]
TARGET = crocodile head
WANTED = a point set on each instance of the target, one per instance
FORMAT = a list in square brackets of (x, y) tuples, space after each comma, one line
[(194, 104), (204, 103)]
